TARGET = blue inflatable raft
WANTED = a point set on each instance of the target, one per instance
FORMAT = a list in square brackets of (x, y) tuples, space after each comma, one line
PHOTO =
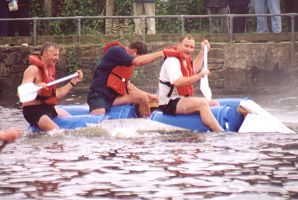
[(226, 114)]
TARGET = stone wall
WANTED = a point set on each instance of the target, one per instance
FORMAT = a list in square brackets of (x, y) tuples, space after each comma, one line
[(236, 67)]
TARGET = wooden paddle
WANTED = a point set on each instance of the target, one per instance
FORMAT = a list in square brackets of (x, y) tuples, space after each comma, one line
[(204, 83), (28, 91)]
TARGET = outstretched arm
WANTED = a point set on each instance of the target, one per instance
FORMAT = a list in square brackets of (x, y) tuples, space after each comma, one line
[(147, 58)]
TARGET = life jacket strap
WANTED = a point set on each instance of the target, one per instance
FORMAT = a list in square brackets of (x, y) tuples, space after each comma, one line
[(123, 80), (169, 85)]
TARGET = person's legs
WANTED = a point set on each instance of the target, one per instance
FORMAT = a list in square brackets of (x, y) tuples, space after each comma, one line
[(98, 105), (135, 97), (23, 26), (274, 8), (239, 22), (218, 24), (260, 8), (150, 11), (46, 124), (223, 21), (138, 9), (3, 24), (12, 24), (199, 105)]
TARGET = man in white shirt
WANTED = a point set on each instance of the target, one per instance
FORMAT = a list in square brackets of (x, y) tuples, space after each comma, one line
[(177, 75)]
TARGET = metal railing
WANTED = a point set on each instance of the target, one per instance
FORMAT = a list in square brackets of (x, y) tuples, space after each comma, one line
[(182, 18)]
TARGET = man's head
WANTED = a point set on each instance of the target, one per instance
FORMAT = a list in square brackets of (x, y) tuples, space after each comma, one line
[(49, 54), (137, 49), (186, 45)]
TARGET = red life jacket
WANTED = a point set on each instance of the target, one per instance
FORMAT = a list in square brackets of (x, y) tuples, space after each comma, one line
[(120, 75), (187, 71), (46, 95)]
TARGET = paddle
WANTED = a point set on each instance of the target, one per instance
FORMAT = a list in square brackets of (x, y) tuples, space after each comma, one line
[(28, 91), (204, 84)]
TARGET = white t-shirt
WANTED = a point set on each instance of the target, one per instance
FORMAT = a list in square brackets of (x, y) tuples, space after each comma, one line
[(170, 72)]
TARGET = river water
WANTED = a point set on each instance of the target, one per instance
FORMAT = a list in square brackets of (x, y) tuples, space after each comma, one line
[(86, 164)]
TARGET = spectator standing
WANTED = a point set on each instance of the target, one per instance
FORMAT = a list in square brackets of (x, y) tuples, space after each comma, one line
[(261, 7), (217, 24), (239, 7), (144, 7), (20, 27), (4, 14), (291, 6)]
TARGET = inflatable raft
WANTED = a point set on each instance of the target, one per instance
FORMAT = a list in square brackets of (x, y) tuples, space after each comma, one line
[(226, 114)]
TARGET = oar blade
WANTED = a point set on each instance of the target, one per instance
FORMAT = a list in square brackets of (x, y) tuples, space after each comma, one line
[(204, 83), (27, 92), (205, 89)]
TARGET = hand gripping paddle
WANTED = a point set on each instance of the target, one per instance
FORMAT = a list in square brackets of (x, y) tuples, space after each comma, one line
[(204, 83), (28, 91)]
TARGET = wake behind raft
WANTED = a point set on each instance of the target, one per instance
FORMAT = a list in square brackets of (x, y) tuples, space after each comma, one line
[(234, 115)]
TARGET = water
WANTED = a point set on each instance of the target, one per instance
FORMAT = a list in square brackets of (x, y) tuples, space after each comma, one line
[(86, 164)]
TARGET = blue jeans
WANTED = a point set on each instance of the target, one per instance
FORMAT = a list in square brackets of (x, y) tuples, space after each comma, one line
[(274, 8)]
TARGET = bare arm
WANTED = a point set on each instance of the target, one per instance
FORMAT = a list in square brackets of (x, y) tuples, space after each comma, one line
[(147, 58), (63, 91), (198, 61), (30, 74), (183, 81)]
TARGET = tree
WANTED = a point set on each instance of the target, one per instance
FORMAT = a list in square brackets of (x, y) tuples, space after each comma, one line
[(110, 6)]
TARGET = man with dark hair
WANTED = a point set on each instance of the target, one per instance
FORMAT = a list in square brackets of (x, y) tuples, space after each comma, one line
[(111, 82)]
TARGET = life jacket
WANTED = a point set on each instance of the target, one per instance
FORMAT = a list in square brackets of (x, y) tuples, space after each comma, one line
[(187, 71), (118, 78), (46, 95)]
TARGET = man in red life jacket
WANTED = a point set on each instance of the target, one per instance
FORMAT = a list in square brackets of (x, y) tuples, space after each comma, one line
[(111, 82), (177, 75), (42, 71)]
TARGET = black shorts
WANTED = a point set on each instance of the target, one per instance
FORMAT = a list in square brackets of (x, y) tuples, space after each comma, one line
[(170, 108), (97, 101), (33, 113)]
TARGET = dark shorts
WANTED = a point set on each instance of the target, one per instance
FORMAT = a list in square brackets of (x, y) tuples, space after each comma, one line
[(170, 108), (97, 101), (33, 113)]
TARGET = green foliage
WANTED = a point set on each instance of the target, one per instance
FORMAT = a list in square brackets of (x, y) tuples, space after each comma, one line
[(72, 60), (122, 8)]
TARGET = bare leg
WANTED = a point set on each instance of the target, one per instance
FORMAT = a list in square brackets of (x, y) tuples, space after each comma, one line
[(99, 111), (46, 124), (195, 104), (61, 112), (138, 98)]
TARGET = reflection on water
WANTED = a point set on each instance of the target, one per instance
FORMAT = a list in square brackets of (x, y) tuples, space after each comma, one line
[(219, 166), (87, 163)]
